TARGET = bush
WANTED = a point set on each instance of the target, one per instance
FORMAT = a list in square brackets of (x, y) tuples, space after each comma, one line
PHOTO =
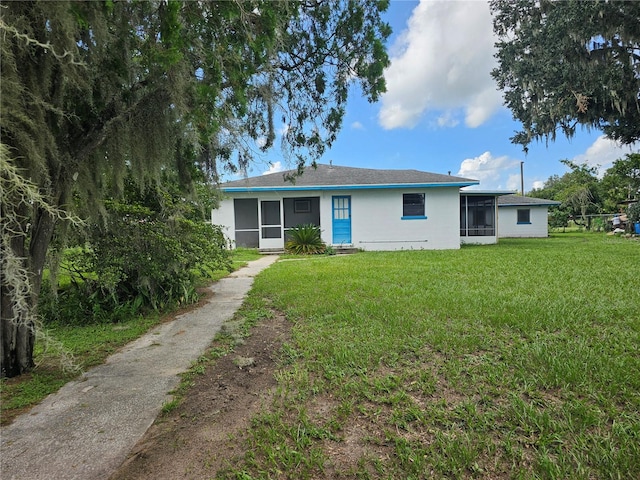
[(305, 240), (633, 212), (138, 253), (136, 260), (84, 304), (558, 218)]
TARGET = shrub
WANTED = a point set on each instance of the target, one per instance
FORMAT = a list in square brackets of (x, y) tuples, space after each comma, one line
[(558, 218), (139, 253), (136, 260), (633, 212), (305, 239)]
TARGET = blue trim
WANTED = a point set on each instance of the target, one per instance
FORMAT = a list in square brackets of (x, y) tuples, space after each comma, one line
[(414, 217), (294, 188), (523, 223), (530, 204)]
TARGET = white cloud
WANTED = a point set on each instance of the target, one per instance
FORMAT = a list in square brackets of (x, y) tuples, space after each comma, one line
[(274, 167), (357, 126), (603, 152), (489, 170), (447, 119), (538, 184), (441, 62), (514, 182)]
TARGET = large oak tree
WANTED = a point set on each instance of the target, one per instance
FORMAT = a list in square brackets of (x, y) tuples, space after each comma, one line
[(93, 90), (564, 64)]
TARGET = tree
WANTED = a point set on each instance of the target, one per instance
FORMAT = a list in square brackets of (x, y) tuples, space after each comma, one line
[(95, 89), (17, 287), (558, 218), (80, 81), (621, 182), (567, 63), (298, 74), (576, 189)]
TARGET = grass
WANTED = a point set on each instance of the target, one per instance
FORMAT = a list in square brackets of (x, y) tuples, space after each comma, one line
[(75, 348), (239, 259), (518, 360)]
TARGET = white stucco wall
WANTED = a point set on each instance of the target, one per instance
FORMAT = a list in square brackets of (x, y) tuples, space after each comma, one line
[(376, 217), (377, 222), (479, 240), (223, 216), (508, 226)]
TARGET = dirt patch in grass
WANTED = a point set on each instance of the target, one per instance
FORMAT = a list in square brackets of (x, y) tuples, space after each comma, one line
[(205, 432), (208, 433)]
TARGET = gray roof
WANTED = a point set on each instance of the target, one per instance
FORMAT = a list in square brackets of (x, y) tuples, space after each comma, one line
[(520, 201), (335, 176)]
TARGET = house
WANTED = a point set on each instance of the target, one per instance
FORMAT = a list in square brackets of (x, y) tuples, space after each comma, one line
[(358, 207), (520, 216)]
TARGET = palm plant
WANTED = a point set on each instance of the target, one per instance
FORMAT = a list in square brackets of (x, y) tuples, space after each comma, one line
[(305, 240)]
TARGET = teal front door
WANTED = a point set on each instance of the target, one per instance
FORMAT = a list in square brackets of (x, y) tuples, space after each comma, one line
[(341, 220)]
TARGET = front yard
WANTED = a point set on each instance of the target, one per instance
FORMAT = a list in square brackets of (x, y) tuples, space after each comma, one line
[(516, 360), (519, 360)]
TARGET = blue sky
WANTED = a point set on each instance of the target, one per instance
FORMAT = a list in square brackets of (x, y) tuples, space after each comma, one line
[(442, 112)]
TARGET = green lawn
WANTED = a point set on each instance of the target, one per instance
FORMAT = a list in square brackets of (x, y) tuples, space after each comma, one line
[(518, 360)]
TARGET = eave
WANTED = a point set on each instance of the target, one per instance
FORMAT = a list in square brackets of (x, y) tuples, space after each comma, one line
[(315, 188)]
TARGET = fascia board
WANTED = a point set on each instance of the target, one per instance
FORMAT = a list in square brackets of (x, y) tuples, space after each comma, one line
[(312, 188)]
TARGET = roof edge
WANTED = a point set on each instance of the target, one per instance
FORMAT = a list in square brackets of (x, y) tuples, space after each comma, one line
[(551, 203), (294, 188)]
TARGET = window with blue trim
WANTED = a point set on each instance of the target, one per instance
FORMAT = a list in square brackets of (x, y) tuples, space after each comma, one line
[(413, 205), (524, 215)]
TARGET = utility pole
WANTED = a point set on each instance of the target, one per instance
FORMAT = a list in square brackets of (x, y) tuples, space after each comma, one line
[(522, 178)]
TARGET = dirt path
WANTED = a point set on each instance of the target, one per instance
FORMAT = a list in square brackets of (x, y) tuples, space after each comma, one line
[(204, 433)]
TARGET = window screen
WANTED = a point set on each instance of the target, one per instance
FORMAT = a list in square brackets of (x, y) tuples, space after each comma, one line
[(477, 215), (413, 205), (524, 216), (271, 226)]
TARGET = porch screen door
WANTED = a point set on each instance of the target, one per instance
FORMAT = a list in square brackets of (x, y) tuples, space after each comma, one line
[(270, 224), (246, 220)]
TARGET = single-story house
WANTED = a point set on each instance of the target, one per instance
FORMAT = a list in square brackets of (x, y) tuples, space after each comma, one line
[(360, 208), (520, 216)]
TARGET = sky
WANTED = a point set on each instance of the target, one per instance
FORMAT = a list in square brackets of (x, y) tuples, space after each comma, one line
[(442, 112)]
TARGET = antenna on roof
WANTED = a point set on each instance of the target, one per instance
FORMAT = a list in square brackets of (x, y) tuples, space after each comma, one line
[(449, 172), (330, 163)]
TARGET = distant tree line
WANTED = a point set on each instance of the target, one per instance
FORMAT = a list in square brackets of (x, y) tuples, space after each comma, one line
[(583, 193)]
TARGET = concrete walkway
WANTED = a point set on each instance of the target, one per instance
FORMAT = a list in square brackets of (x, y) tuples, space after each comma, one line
[(86, 430)]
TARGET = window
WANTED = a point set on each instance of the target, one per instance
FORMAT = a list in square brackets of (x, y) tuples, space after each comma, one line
[(301, 206), (413, 205), (524, 215), (300, 211), (341, 208)]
